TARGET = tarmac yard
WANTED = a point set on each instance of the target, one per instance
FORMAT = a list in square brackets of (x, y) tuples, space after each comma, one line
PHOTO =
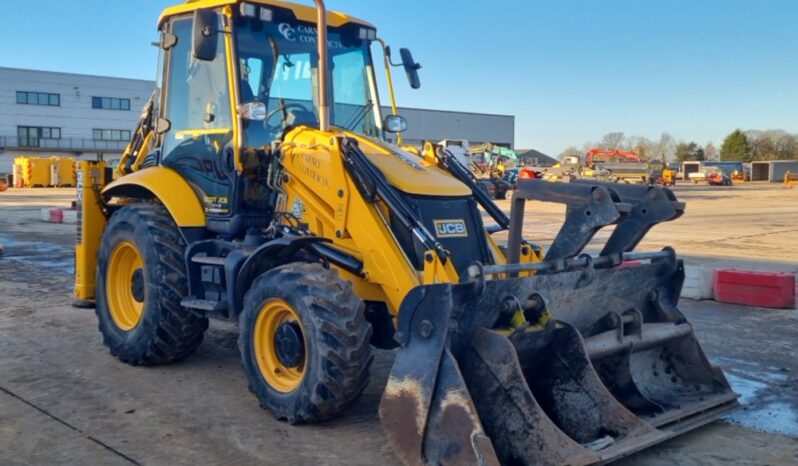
[(65, 400)]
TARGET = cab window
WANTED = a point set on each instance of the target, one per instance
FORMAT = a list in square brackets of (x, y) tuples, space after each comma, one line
[(198, 98)]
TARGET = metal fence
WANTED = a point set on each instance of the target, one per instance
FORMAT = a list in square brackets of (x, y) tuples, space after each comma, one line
[(62, 144)]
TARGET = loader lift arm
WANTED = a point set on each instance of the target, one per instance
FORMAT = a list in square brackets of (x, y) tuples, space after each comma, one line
[(372, 184), (448, 162)]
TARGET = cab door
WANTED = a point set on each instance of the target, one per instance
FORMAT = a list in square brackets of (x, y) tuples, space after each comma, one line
[(197, 103)]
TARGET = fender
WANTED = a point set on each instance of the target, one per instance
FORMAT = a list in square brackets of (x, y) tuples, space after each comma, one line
[(167, 186)]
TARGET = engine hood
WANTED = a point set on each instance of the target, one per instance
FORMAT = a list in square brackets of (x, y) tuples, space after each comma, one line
[(408, 172)]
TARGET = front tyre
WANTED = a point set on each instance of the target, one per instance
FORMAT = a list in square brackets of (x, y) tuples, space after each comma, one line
[(304, 342), (141, 278)]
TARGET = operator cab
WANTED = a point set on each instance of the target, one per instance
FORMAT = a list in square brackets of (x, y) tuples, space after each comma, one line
[(235, 80)]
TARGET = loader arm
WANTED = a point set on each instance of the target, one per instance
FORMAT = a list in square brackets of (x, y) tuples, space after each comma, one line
[(448, 162), (142, 141)]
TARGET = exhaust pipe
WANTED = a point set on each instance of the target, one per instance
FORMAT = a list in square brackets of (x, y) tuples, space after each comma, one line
[(321, 39)]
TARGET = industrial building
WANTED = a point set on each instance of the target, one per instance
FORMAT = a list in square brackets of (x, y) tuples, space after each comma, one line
[(772, 170), (47, 113)]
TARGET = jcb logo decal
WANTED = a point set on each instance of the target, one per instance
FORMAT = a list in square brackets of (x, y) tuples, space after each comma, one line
[(450, 229)]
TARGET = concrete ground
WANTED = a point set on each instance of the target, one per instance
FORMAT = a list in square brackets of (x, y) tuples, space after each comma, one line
[(65, 400)]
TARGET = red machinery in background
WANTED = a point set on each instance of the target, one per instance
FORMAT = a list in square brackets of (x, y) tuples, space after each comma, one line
[(609, 155)]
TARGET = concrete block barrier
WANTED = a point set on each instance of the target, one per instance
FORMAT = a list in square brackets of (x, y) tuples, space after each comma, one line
[(698, 282), (755, 288)]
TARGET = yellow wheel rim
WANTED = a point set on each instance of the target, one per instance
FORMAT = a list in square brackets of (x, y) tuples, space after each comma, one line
[(273, 313), (124, 287)]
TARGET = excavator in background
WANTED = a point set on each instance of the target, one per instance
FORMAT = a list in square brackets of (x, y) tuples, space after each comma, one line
[(260, 186), (614, 165), (491, 164), (487, 163)]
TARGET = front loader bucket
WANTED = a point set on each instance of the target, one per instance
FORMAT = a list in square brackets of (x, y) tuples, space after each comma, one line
[(606, 365)]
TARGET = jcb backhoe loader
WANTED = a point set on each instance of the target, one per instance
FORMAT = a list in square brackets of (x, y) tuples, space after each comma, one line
[(260, 186)]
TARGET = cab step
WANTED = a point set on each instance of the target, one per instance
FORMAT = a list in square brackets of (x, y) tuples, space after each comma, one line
[(205, 305)]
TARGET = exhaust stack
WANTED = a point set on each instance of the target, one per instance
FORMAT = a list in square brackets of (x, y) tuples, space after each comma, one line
[(321, 39)]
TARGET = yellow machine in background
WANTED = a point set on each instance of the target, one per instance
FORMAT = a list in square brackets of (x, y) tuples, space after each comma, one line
[(260, 186), (39, 172)]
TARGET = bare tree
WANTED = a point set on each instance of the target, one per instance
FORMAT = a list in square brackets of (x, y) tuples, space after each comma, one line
[(612, 140), (665, 148), (711, 152), (774, 144), (642, 146), (785, 145), (571, 151)]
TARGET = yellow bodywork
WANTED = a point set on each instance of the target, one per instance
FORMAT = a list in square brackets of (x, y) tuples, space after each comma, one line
[(316, 187), (302, 12), (166, 185)]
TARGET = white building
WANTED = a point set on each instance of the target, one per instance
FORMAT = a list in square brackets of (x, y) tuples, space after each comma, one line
[(45, 113)]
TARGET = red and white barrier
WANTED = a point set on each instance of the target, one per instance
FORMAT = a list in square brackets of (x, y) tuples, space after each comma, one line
[(776, 290)]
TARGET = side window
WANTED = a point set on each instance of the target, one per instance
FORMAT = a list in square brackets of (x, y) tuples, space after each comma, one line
[(197, 98), (251, 79), (352, 106), (292, 79)]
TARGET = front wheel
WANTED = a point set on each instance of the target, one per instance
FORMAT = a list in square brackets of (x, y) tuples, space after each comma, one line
[(304, 342)]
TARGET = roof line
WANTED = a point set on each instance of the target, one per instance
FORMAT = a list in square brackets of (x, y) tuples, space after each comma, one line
[(153, 82), (455, 111), (76, 74)]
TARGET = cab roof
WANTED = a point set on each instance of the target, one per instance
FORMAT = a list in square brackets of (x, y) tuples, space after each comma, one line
[(302, 12)]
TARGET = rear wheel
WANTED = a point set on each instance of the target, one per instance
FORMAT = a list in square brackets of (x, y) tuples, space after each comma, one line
[(304, 342), (141, 278)]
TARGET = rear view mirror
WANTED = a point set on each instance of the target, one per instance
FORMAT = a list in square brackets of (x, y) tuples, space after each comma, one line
[(395, 124), (411, 68), (205, 35)]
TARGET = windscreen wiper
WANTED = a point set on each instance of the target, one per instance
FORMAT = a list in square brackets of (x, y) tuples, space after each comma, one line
[(359, 115)]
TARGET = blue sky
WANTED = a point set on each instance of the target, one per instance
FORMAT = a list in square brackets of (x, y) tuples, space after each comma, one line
[(570, 71)]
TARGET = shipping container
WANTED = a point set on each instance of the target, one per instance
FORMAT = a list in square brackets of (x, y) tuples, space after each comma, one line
[(772, 170)]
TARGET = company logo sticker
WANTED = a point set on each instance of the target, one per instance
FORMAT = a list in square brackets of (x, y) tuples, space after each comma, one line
[(287, 31), (450, 229)]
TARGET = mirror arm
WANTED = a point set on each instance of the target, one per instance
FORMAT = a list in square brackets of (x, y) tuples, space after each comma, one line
[(386, 51)]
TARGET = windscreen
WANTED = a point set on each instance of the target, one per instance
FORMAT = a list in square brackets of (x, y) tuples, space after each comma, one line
[(278, 65)]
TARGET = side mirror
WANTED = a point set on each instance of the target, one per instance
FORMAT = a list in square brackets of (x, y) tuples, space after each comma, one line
[(205, 35), (411, 68), (395, 124), (253, 111)]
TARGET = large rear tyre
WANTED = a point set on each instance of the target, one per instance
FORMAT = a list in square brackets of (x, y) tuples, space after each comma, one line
[(141, 278), (304, 342)]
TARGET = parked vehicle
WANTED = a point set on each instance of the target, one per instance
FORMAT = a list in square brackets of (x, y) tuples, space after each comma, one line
[(718, 178)]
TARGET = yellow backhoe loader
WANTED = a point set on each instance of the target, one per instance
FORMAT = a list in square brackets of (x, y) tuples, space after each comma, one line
[(260, 185)]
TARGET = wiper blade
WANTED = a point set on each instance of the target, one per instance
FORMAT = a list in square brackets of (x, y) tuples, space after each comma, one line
[(359, 115)]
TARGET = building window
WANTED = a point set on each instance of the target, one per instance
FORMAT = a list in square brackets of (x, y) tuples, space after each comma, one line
[(29, 136), (38, 98), (110, 103), (111, 135)]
